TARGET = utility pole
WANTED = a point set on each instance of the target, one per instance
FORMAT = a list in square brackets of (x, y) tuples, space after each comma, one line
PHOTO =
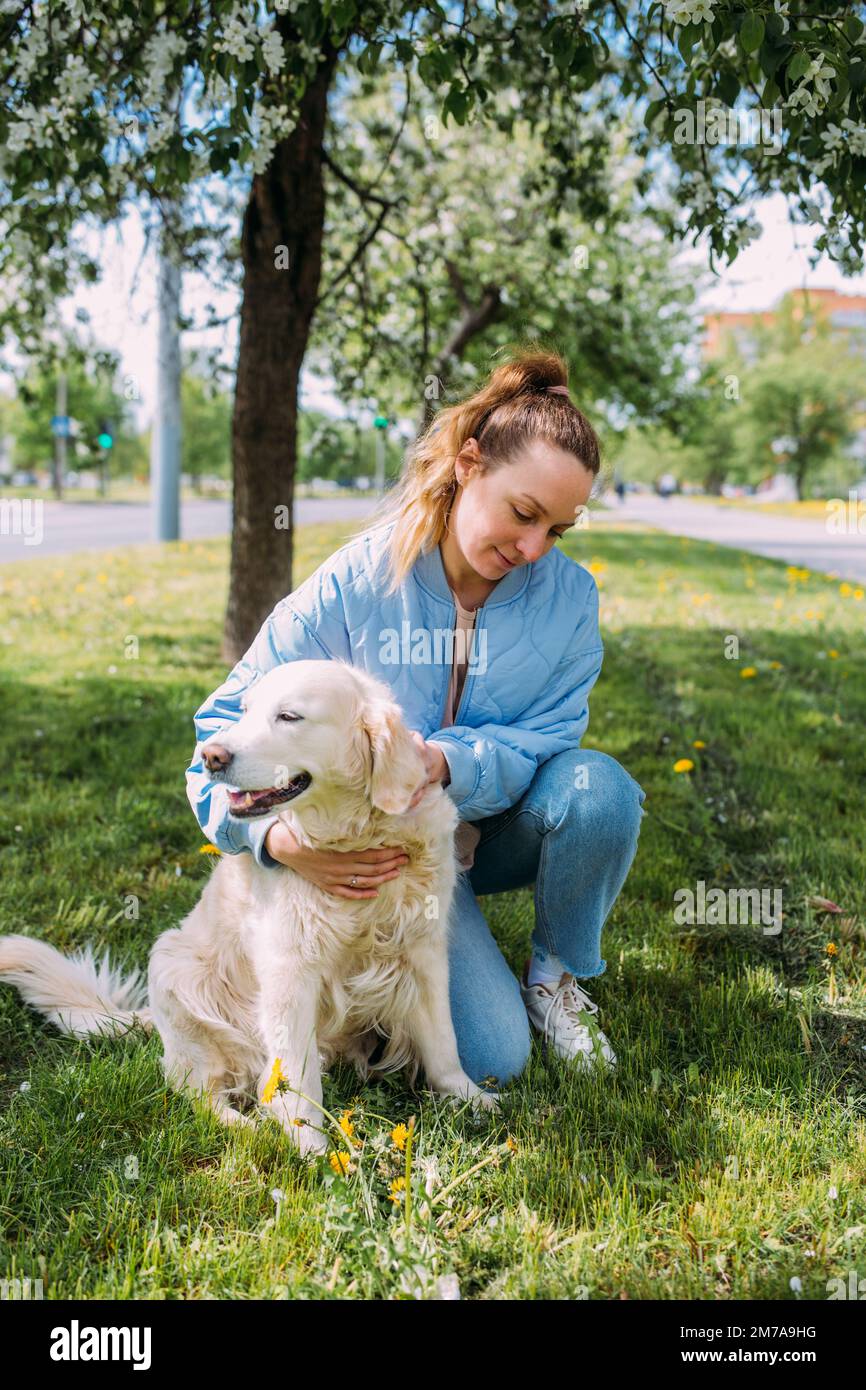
[(381, 424), (60, 430), (165, 432)]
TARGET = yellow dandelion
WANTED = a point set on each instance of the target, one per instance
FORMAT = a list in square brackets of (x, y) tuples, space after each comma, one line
[(209, 849), (511, 1144), (858, 594), (777, 603), (699, 743), (348, 1128), (399, 1135), (831, 948), (833, 653), (81, 588), (341, 1162), (747, 672), (683, 765), (398, 1185), (596, 566), (775, 665), (845, 590), (277, 1075), (129, 599), (102, 577)]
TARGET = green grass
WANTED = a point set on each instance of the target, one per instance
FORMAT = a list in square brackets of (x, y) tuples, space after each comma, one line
[(704, 1168)]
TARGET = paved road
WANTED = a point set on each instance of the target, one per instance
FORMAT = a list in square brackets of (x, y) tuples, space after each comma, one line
[(806, 543), (70, 526)]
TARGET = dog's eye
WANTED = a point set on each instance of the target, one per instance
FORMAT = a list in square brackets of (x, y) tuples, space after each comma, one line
[(288, 717)]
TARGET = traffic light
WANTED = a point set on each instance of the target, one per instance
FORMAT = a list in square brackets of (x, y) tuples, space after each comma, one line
[(105, 438)]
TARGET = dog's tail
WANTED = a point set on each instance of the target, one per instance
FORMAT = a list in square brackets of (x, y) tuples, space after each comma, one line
[(75, 993)]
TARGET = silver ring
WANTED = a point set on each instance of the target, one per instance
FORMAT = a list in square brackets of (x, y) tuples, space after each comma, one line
[(354, 880)]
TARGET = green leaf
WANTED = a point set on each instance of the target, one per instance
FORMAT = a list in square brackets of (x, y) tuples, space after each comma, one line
[(853, 27), (689, 36), (653, 109), (857, 76), (368, 58), (772, 58), (727, 89), (798, 65), (456, 103), (752, 32), (770, 94)]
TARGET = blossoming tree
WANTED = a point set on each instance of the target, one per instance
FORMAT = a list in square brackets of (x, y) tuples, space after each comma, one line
[(106, 101)]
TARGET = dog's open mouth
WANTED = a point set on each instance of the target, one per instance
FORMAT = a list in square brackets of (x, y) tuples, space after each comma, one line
[(248, 803)]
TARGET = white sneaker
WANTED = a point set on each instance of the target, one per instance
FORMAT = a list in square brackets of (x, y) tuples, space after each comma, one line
[(565, 1017)]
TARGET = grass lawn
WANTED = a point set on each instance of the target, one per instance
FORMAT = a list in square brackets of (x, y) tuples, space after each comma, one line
[(726, 1157)]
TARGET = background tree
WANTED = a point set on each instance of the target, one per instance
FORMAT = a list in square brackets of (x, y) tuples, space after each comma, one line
[(85, 127), (206, 419), (472, 251)]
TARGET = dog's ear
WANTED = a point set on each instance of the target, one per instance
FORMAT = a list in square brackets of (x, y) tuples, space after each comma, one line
[(397, 766)]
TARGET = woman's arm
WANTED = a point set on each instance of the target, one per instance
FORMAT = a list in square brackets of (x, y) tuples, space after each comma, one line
[(492, 765)]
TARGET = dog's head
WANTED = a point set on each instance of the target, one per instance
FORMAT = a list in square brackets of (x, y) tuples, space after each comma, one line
[(314, 728)]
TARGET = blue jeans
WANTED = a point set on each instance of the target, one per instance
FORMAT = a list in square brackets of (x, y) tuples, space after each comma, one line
[(573, 834)]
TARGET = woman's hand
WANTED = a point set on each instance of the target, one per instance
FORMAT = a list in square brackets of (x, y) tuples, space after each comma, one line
[(436, 764), (334, 870)]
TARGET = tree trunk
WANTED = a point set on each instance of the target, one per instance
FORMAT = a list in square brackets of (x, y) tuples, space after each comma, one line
[(286, 209)]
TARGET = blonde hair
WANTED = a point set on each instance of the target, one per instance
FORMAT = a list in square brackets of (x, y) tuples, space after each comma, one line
[(510, 409)]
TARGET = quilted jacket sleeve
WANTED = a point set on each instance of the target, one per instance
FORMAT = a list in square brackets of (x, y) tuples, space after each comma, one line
[(492, 766), (287, 635)]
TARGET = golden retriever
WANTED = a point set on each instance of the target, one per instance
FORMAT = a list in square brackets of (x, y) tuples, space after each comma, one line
[(267, 965)]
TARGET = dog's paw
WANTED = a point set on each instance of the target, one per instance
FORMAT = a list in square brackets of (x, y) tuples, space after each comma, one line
[(487, 1100), (458, 1091), (307, 1139)]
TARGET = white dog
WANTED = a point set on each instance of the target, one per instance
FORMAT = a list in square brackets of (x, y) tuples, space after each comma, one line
[(267, 965)]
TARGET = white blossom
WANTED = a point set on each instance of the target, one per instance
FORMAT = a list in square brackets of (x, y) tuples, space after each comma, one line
[(273, 51), (238, 37), (689, 11)]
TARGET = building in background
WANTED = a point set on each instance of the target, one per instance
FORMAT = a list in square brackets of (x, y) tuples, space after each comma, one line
[(846, 313)]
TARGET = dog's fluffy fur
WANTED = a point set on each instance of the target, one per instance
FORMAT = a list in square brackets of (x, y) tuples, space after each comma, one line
[(267, 964)]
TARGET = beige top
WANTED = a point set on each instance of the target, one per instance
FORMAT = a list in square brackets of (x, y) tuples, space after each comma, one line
[(467, 835)]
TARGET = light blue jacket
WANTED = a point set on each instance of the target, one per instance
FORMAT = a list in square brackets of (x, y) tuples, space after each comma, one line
[(535, 656)]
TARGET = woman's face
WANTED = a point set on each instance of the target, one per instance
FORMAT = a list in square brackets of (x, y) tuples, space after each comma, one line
[(518, 511)]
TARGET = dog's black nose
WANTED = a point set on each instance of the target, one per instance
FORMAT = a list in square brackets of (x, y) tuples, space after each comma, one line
[(215, 758)]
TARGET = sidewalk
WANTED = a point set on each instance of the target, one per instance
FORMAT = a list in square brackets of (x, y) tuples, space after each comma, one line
[(806, 543)]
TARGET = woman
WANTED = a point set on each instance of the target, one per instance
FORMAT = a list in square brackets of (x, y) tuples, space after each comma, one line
[(466, 542)]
